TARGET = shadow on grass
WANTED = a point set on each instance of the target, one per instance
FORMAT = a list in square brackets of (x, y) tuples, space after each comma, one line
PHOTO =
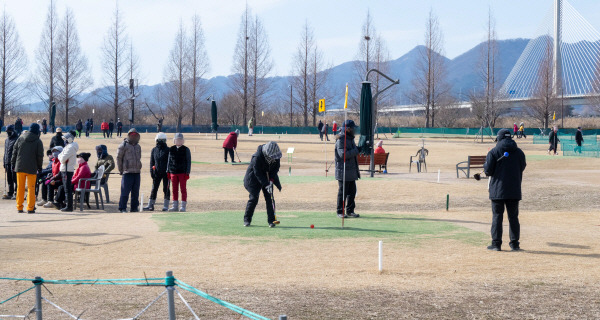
[(567, 254), (424, 219), (343, 229), (568, 246), (55, 237)]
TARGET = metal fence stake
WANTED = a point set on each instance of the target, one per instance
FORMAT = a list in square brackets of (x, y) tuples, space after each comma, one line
[(171, 295), (38, 297)]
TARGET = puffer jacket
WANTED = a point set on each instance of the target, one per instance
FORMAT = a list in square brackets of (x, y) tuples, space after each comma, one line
[(108, 162), (9, 143), (68, 157), (57, 141), (159, 159), (129, 157), (82, 172), (231, 141), (256, 174), (104, 126), (352, 171), (506, 173), (28, 153), (180, 160)]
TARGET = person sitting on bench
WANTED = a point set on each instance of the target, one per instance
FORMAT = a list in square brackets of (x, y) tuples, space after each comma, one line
[(379, 146)]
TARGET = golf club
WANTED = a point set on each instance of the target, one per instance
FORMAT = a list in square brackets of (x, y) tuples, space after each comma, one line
[(273, 200), (237, 155)]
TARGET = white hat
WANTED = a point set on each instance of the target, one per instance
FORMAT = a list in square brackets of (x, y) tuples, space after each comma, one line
[(160, 136)]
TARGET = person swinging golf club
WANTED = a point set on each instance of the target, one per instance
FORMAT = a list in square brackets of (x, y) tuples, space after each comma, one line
[(506, 174), (262, 174), (346, 170)]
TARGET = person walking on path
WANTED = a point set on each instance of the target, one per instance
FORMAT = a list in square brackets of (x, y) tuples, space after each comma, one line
[(79, 128), (111, 128), (506, 174), (106, 160), (27, 160), (129, 164), (346, 170), (250, 126), (320, 129), (119, 127), (179, 167), (159, 158), (11, 176), (522, 131), (44, 126), (68, 159), (515, 129), (104, 128), (57, 140), (230, 144), (261, 175), (553, 140), (578, 140)]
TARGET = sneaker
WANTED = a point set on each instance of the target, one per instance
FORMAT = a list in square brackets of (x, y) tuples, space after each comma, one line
[(353, 215), (494, 248), (246, 224), (66, 209), (123, 210), (41, 203), (341, 215), (515, 248), (20, 211), (30, 211), (48, 205), (271, 225), (6, 197), (13, 198), (57, 205)]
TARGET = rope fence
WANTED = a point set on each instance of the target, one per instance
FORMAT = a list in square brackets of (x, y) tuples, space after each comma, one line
[(169, 282)]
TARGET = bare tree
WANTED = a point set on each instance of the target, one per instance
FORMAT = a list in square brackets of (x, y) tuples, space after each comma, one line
[(239, 79), (545, 99), (199, 65), (301, 69), (260, 65), (318, 85), (229, 109), (115, 54), (486, 105), (430, 85), (13, 65), (46, 58), (176, 77), (73, 74)]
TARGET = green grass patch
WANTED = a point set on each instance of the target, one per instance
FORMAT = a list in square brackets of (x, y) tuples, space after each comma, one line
[(296, 225), (224, 182)]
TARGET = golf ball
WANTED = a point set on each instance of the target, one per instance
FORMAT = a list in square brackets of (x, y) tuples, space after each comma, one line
[(312, 226)]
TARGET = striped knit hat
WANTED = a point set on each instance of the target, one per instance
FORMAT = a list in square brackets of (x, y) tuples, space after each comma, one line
[(271, 151)]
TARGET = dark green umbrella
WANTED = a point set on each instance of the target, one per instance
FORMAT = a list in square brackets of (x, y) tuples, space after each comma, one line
[(52, 114), (365, 143), (213, 114)]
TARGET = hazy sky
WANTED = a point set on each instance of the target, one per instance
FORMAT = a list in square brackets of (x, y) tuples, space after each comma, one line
[(152, 25)]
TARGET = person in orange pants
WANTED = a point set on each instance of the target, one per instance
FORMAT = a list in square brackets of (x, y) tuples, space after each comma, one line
[(27, 160)]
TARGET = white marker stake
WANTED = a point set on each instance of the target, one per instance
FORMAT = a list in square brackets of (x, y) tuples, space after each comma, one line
[(438, 175), (380, 256), (142, 203)]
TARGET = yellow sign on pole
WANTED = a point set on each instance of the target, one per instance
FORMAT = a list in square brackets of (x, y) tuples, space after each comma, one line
[(322, 105), (554, 116), (346, 100)]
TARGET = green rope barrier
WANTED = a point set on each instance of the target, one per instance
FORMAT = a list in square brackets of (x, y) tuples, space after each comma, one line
[(230, 306), (16, 295)]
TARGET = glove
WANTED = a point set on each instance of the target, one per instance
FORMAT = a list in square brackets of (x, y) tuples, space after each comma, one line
[(269, 188), (187, 176)]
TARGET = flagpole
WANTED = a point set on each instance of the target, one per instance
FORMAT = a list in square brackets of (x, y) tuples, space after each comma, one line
[(344, 176)]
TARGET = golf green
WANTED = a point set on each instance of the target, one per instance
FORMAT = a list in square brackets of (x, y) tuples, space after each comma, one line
[(296, 225)]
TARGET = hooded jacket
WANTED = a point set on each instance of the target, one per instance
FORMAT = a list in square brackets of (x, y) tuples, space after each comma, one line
[(28, 153), (231, 141), (57, 140), (506, 173), (9, 143), (105, 160), (159, 159), (256, 174), (104, 126), (352, 171), (129, 157), (68, 157)]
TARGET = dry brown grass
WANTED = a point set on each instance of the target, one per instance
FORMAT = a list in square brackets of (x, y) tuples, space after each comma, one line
[(555, 278)]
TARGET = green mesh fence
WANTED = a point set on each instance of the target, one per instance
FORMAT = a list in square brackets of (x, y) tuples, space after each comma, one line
[(573, 150), (591, 139)]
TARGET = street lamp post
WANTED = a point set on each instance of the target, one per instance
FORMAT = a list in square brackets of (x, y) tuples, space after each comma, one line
[(291, 104)]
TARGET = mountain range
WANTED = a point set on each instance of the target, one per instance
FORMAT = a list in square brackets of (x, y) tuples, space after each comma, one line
[(462, 74)]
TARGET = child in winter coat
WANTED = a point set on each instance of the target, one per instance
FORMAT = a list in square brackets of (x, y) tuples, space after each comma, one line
[(230, 144), (159, 158), (179, 167)]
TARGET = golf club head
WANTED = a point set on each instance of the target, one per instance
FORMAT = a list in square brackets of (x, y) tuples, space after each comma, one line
[(477, 176)]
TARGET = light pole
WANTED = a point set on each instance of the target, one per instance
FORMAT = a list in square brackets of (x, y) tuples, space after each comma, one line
[(291, 104)]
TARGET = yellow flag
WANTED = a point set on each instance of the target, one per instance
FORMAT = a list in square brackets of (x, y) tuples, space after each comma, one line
[(554, 116), (322, 105), (346, 100), (263, 113)]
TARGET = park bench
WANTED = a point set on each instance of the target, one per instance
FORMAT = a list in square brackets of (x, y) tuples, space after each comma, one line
[(380, 160), (419, 160), (473, 162), (95, 188)]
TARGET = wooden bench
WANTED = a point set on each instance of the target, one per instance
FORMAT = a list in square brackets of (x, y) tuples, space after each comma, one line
[(473, 162), (380, 160)]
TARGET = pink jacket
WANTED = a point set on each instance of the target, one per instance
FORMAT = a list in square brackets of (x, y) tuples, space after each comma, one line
[(82, 172)]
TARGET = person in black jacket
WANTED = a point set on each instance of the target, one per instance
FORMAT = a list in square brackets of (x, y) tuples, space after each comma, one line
[(263, 170), (79, 127), (347, 182), (320, 128), (57, 140), (88, 127), (1, 124), (159, 159), (19, 126), (179, 167), (44, 126), (119, 127), (553, 140), (11, 176), (504, 165), (111, 127), (578, 140)]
